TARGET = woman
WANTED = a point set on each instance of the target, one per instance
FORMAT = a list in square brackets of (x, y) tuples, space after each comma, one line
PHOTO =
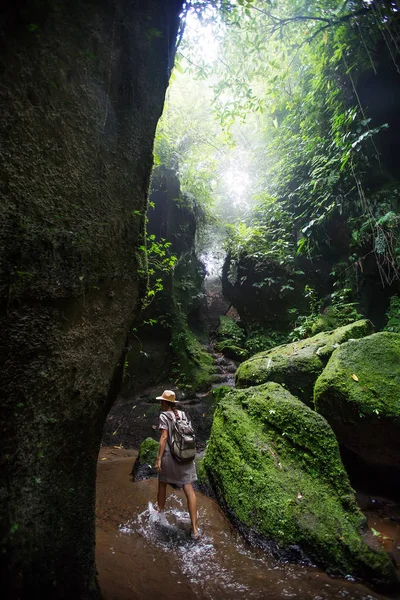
[(170, 470)]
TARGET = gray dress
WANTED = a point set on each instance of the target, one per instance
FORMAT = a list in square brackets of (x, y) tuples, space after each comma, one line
[(172, 471)]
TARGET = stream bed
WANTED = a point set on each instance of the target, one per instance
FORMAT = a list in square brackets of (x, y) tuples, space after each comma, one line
[(143, 555)]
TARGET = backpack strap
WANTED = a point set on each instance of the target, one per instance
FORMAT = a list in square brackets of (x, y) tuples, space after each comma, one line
[(171, 421)]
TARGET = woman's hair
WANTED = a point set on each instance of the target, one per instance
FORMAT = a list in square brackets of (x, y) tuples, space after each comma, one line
[(165, 405)]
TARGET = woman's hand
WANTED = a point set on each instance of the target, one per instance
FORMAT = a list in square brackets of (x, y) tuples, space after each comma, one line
[(158, 465)]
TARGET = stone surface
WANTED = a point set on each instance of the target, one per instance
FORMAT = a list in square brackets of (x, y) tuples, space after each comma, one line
[(274, 465), (298, 365), (359, 394), (82, 87)]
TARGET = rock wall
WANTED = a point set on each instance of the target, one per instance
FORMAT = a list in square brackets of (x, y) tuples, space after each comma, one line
[(82, 87), (173, 217)]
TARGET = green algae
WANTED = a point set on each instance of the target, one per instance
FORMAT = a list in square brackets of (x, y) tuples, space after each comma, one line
[(276, 465)]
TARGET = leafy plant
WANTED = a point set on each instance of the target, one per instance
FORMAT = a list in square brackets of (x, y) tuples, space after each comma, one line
[(262, 339), (159, 263), (340, 312), (393, 315)]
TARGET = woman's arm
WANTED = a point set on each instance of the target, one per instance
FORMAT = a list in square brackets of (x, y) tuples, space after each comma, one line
[(161, 448)]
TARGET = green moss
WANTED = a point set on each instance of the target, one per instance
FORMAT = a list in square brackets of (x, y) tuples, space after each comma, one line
[(229, 330), (193, 367), (148, 452), (359, 394), (277, 466), (219, 392), (375, 361), (298, 365), (229, 349)]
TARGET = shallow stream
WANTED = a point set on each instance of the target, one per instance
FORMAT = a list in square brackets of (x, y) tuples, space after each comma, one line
[(141, 554)]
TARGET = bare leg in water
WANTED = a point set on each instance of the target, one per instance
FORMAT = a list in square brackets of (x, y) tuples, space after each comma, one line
[(192, 506), (191, 501), (161, 496)]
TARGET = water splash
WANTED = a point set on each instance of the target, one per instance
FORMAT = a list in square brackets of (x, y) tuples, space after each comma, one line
[(170, 531), (221, 565)]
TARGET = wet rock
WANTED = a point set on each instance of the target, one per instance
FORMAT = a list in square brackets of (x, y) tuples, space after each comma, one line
[(143, 467), (359, 394), (275, 467), (298, 365)]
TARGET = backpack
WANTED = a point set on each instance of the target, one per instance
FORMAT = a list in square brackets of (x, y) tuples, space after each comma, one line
[(182, 440)]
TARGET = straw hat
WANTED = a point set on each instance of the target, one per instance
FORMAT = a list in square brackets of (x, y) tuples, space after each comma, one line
[(167, 396)]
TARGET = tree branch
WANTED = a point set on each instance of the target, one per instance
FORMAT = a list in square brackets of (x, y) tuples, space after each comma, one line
[(279, 23)]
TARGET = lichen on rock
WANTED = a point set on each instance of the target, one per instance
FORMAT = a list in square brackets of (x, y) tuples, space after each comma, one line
[(298, 365), (275, 466), (359, 394)]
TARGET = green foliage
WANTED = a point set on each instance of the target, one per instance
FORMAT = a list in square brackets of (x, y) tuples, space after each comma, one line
[(229, 329), (284, 80), (193, 366), (262, 339), (188, 140), (159, 263), (340, 312), (265, 240), (379, 230), (393, 315)]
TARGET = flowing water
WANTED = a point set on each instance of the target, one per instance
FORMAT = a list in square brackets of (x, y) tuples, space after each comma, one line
[(141, 554)]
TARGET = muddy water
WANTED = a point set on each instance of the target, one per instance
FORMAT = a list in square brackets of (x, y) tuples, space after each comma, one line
[(141, 555)]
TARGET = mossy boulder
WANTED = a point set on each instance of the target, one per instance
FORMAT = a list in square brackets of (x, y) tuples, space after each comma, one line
[(359, 394), (274, 465), (229, 330), (298, 365), (143, 467), (229, 349)]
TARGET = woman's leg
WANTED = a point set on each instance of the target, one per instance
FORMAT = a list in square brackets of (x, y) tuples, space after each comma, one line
[(161, 495), (192, 505)]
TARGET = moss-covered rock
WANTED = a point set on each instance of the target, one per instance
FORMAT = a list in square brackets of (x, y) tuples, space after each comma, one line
[(229, 330), (275, 466), (359, 394), (143, 467), (229, 349), (298, 365), (89, 81)]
